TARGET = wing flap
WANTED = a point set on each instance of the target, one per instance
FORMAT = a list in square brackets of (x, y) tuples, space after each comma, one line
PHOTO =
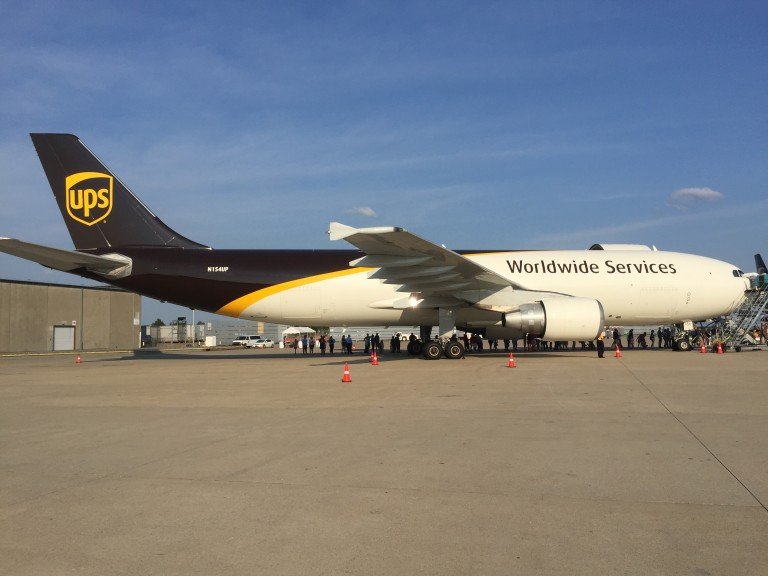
[(393, 261), (415, 264), (392, 273)]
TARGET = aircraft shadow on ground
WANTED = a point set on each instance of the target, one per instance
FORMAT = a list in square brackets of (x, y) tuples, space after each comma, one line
[(201, 355), (338, 359)]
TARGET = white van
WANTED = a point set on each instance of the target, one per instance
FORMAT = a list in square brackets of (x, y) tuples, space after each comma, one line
[(246, 341)]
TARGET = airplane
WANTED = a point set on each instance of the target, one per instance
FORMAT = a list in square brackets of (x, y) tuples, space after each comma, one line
[(391, 278)]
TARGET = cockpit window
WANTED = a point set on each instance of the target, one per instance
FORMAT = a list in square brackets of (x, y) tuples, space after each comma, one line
[(738, 273)]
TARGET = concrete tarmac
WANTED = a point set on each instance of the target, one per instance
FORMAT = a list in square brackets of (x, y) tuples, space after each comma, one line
[(262, 462)]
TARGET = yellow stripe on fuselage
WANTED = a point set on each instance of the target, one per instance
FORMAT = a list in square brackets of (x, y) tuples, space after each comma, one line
[(237, 307)]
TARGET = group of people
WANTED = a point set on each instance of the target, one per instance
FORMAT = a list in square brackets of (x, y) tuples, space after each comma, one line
[(644, 340), (757, 335), (308, 343), (663, 335), (375, 342), (475, 343), (760, 335), (371, 343)]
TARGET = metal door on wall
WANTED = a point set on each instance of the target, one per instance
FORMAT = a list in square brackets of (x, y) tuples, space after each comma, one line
[(63, 338)]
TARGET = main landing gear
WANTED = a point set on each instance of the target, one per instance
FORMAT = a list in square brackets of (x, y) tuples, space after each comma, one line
[(415, 348), (454, 349), (434, 349)]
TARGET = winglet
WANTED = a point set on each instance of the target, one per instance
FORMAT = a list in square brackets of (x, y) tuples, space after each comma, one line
[(339, 231)]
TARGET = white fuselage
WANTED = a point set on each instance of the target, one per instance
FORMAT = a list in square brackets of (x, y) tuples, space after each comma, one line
[(634, 288)]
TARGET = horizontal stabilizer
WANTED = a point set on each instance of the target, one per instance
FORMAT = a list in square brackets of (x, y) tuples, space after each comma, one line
[(111, 265)]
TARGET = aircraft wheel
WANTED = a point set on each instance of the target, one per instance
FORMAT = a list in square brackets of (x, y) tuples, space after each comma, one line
[(414, 348), (454, 350), (433, 350)]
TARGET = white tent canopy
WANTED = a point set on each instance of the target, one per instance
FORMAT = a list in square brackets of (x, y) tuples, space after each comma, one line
[(298, 330)]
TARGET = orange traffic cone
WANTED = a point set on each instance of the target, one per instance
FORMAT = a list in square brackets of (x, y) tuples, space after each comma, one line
[(719, 348), (703, 349), (618, 352), (346, 377), (375, 361), (511, 363), (78, 360)]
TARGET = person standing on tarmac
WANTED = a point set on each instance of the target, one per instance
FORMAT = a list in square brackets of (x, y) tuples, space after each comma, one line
[(349, 343), (331, 343), (601, 345), (617, 339)]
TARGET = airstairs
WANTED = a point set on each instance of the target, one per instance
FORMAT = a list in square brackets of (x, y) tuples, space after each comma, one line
[(735, 330)]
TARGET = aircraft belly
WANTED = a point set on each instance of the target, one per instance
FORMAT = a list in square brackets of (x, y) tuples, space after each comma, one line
[(336, 301)]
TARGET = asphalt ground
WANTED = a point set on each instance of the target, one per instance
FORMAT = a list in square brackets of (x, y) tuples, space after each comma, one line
[(262, 462)]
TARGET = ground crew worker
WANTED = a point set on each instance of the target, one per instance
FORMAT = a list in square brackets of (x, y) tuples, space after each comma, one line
[(601, 345)]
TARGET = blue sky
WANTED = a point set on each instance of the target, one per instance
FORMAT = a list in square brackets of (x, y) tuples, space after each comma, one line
[(473, 124)]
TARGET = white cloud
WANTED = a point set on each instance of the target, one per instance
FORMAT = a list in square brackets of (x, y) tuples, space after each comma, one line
[(686, 197), (362, 211)]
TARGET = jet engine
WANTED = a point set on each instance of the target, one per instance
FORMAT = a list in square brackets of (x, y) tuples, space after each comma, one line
[(556, 318)]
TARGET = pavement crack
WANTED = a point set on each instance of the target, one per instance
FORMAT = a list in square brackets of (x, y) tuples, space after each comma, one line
[(695, 437)]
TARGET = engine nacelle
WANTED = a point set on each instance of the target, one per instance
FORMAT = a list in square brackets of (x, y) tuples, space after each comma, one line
[(556, 318)]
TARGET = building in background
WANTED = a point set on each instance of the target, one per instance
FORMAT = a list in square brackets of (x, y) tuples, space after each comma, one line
[(181, 331), (37, 317)]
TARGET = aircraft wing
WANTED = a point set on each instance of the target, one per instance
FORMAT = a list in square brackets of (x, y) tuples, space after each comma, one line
[(67, 260), (417, 265)]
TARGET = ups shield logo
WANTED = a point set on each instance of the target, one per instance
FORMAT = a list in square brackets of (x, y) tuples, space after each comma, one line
[(89, 197)]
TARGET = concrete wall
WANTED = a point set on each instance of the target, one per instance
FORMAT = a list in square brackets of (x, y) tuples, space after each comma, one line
[(105, 318)]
